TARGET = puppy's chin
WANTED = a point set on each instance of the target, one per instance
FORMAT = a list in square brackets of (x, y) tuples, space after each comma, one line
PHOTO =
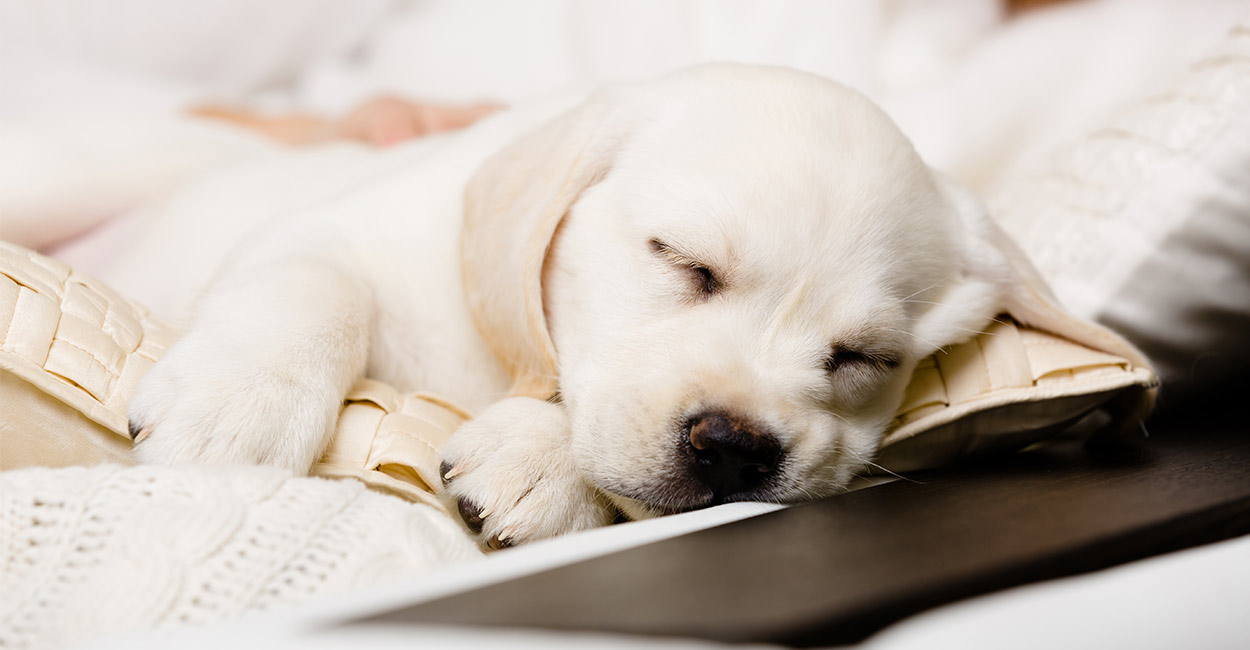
[(676, 492), (651, 474), (636, 510), (657, 499)]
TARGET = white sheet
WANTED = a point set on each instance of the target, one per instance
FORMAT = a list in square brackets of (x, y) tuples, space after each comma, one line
[(1190, 599), (298, 626)]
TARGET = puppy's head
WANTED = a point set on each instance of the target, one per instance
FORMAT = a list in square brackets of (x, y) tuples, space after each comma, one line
[(729, 274)]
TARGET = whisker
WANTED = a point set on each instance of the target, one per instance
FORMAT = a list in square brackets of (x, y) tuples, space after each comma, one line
[(913, 335), (942, 281), (854, 454), (893, 473), (970, 330), (992, 319)]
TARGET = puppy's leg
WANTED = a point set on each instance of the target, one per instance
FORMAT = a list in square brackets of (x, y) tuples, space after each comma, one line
[(510, 474), (261, 374)]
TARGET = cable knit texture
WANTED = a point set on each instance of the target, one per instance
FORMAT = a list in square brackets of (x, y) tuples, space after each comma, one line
[(102, 550)]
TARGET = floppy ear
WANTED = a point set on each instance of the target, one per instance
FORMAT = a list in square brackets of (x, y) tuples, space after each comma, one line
[(1000, 269), (513, 206), (1019, 290)]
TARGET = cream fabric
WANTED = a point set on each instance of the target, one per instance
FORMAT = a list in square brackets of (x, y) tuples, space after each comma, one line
[(73, 351), (1006, 388), (73, 337), (390, 441)]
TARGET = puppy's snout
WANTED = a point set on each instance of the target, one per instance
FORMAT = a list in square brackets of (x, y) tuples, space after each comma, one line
[(731, 455)]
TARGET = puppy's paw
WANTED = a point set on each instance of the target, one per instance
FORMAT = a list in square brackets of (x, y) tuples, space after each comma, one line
[(510, 475), (208, 401)]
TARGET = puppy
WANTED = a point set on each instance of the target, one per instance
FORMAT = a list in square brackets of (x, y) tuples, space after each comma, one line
[(712, 287)]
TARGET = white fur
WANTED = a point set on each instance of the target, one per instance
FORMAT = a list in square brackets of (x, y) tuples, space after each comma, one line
[(822, 221)]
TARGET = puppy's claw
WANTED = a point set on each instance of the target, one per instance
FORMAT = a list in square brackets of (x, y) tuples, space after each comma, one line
[(447, 472), (138, 434), (471, 514), (496, 543), (515, 481)]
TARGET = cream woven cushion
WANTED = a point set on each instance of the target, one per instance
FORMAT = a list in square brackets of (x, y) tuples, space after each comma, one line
[(72, 352)]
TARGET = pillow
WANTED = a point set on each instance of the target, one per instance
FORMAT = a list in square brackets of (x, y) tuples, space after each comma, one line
[(72, 352), (1144, 226)]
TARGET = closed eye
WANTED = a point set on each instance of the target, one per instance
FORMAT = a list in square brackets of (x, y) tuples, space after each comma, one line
[(705, 281), (842, 359)]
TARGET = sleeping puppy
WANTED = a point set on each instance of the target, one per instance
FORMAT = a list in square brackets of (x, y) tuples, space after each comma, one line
[(712, 287)]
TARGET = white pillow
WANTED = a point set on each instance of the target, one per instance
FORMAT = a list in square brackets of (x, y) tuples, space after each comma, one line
[(1144, 226)]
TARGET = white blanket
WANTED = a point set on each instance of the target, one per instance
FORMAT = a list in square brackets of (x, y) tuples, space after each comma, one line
[(86, 552)]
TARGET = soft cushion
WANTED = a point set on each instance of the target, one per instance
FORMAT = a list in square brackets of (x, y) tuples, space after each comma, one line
[(73, 352)]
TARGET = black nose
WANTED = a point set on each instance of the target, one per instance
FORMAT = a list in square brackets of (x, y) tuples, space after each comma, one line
[(731, 455)]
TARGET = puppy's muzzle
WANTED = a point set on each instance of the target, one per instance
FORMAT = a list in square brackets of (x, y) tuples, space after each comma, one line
[(731, 456)]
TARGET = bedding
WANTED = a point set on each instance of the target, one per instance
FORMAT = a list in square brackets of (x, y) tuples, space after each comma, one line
[(73, 351), (1192, 192), (87, 552)]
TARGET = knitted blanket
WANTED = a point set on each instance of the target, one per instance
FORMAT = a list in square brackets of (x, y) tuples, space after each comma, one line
[(104, 550)]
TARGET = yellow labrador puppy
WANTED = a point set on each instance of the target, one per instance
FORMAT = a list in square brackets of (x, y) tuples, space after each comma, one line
[(712, 287)]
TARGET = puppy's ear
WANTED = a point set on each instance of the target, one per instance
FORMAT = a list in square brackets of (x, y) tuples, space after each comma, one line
[(993, 259), (513, 206), (998, 278)]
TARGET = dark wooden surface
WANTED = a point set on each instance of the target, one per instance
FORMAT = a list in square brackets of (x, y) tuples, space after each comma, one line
[(837, 570)]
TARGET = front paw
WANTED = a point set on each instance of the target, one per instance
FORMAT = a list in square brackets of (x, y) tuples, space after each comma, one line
[(207, 401), (510, 475)]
